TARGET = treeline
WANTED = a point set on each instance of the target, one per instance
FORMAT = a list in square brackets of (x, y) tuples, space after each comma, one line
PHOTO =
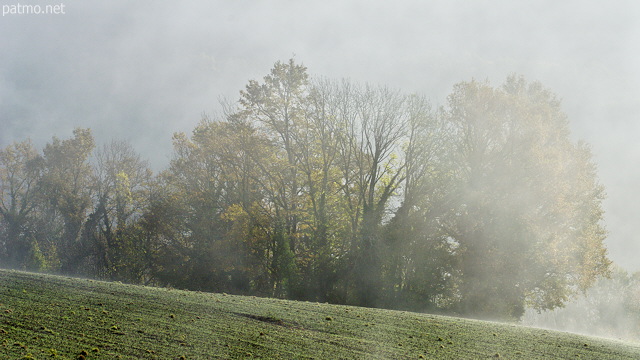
[(328, 191)]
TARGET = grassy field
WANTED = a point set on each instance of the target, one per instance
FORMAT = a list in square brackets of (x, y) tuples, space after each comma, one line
[(45, 317)]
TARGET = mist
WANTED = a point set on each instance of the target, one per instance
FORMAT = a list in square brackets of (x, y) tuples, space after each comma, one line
[(608, 309), (142, 71)]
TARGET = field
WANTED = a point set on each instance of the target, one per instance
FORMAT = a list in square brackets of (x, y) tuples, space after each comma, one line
[(52, 317)]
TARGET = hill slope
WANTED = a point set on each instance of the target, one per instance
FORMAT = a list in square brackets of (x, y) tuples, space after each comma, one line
[(44, 316)]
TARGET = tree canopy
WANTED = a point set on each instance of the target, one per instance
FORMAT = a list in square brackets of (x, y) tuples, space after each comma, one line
[(328, 190)]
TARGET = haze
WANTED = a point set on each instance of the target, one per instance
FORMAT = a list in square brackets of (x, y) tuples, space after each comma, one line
[(140, 71)]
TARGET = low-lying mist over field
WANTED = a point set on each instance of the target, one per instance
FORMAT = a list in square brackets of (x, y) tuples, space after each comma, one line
[(477, 159)]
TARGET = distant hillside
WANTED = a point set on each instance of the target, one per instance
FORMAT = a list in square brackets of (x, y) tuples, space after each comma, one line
[(44, 316)]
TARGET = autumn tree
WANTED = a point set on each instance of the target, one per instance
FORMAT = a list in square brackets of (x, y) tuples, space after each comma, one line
[(328, 191), (67, 185), (20, 174), (195, 187), (212, 190), (528, 216), (327, 220), (372, 159), (277, 106), (120, 198), (419, 265)]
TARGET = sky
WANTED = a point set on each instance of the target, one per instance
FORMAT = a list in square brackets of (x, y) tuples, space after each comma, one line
[(142, 70)]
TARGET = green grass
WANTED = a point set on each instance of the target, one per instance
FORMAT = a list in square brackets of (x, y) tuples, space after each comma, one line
[(52, 317)]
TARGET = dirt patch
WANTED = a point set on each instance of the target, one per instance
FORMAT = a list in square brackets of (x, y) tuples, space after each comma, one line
[(267, 319)]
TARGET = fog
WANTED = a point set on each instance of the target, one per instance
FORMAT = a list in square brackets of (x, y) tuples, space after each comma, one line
[(141, 71), (608, 309)]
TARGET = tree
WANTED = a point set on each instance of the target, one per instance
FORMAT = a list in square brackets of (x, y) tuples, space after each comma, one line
[(329, 191), (277, 107), (213, 190), (20, 173), (325, 215), (528, 211), (194, 190), (419, 266), (67, 185), (121, 197), (373, 159)]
